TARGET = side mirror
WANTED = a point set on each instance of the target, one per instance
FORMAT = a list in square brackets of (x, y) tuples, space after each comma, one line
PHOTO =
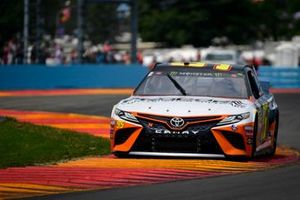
[(265, 86)]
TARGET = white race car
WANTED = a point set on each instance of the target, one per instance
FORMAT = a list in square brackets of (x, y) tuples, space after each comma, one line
[(196, 110)]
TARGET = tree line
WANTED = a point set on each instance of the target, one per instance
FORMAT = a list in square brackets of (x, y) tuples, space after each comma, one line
[(171, 22)]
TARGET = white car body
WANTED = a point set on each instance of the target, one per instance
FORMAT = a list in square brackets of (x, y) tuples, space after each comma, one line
[(187, 125), (185, 106)]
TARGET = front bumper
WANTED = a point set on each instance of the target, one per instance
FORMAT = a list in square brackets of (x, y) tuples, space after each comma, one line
[(209, 141)]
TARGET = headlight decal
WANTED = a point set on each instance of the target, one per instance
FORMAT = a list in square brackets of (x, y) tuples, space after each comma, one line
[(234, 118), (126, 115)]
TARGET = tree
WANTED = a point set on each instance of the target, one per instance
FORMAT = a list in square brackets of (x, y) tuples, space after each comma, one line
[(172, 22), (10, 20), (177, 22), (101, 22)]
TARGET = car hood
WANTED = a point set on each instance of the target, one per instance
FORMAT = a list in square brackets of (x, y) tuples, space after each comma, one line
[(184, 106)]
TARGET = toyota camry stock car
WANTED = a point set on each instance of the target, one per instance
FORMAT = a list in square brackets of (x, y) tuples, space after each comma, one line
[(196, 110)]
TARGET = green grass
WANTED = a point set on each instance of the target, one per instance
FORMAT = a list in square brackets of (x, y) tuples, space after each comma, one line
[(23, 144)]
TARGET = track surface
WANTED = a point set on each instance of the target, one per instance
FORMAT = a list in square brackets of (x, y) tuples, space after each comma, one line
[(102, 105), (280, 183), (94, 173), (91, 105)]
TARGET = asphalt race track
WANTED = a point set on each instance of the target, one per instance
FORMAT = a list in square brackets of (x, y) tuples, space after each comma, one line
[(279, 183), (92, 105), (102, 105)]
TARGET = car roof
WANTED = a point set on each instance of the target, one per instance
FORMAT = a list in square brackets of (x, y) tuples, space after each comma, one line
[(200, 65)]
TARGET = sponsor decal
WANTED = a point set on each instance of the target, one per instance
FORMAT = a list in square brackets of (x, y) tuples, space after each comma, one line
[(249, 141), (173, 73), (249, 130), (204, 74), (200, 74), (233, 103), (234, 127)]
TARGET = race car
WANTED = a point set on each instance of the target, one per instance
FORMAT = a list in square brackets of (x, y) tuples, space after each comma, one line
[(196, 110)]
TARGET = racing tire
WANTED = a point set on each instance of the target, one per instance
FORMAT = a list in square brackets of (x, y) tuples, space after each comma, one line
[(121, 154), (274, 145), (254, 138), (237, 158)]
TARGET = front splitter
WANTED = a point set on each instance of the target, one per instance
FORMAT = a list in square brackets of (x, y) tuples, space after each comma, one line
[(166, 154)]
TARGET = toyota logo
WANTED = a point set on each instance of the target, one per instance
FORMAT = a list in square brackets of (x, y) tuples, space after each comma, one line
[(177, 122)]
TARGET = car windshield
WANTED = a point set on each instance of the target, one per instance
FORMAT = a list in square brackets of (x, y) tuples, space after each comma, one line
[(219, 57), (212, 84)]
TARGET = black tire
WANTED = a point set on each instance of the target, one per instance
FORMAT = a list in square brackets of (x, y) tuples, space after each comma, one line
[(273, 150), (121, 154), (254, 138), (237, 158)]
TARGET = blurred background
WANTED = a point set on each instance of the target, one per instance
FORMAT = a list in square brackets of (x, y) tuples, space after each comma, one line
[(64, 33), (260, 32)]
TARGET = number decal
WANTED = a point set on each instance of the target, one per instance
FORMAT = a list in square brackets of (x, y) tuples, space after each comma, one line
[(120, 124), (223, 67)]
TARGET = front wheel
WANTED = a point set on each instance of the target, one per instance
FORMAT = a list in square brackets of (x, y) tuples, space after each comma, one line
[(121, 154)]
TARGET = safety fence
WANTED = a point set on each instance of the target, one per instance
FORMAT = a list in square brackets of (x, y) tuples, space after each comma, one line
[(21, 77), (280, 77)]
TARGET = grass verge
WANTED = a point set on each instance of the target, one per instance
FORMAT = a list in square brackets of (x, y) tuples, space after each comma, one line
[(23, 144)]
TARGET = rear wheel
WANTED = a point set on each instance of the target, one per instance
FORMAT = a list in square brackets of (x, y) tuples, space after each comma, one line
[(273, 150), (254, 139)]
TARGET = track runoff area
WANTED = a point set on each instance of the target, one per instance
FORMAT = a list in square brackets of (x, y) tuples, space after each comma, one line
[(107, 172)]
